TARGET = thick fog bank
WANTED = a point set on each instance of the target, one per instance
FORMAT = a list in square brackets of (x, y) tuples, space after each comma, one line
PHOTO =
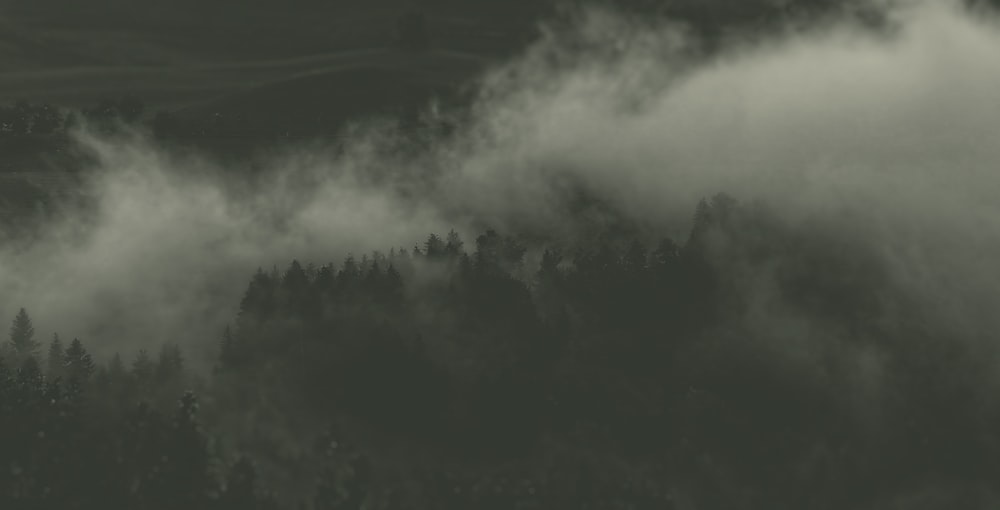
[(888, 135)]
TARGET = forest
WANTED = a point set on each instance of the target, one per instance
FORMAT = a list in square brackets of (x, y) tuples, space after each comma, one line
[(446, 375), (559, 255)]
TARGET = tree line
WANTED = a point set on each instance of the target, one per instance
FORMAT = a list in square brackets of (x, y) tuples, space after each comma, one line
[(507, 374)]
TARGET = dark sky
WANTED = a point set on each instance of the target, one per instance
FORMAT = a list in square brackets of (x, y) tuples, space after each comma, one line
[(45, 33), (180, 52), (247, 28)]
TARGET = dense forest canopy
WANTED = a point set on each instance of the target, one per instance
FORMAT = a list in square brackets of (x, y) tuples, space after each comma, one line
[(632, 268), (614, 374)]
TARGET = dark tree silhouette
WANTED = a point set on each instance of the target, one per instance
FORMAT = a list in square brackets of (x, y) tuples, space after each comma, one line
[(169, 363), (610, 377), (79, 364), (143, 368), (185, 476), (22, 338), (56, 358)]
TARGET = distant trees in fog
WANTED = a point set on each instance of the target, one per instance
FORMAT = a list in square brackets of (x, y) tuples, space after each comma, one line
[(81, 436), (22, 344), (505, 374), (109, 114), (24, 118)]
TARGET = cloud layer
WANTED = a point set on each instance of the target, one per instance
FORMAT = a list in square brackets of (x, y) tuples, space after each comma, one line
[(838, 123)]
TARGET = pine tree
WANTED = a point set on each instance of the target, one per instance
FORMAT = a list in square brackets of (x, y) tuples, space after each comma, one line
[(57, 358), (30, 374), (185, 472), (295, 278), (393, 287), (79, 363), (548, 271), (258, 301), (22, 337), (434, 247), (170, 362), (116, 368), (487, 256), (667, 253), (142, 367), (325, 280), (349, 273), (228, 351), (373, 278), (453, 244), (635, 258)]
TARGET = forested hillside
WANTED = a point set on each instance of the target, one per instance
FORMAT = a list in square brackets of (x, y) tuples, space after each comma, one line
[(499, 255), (447, 375)]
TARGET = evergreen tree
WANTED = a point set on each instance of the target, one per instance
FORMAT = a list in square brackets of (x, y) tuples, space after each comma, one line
[(453, 244), (325, 280), (116, 368), (258, 301), (392, 287), (22, 337), (487, 256), (434, 247), (348, 275), (634, 261), (185, 473), (228, 350), (169, 363), (496, 254), (29, 373), (143, 367), (56, 359), (548, 272), (666, 254), (295, 279), (79, 364)]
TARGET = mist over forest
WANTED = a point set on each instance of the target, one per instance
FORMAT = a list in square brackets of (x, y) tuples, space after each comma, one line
[(606, 255)]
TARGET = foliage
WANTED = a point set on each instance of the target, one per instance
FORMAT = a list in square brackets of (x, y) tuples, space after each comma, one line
[(613, 375)]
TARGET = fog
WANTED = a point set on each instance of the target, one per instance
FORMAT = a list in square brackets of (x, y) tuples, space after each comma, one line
[(888, 135)]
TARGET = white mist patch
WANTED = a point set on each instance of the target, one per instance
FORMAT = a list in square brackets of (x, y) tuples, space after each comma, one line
[(170, 253), (785, 120), (899, 127)]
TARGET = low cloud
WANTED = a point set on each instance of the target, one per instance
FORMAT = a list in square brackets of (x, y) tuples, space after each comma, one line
[(889, 132)]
